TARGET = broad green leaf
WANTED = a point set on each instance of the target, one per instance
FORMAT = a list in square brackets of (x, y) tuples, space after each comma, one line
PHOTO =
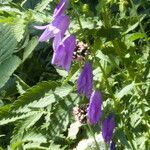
[(14, 117), (48, 99), (7, 68), (35, 93), (63, 91), (8, 42), (35, 137), (126, 90)]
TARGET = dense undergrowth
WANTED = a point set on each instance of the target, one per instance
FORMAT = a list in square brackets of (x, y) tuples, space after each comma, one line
[(37, 98)]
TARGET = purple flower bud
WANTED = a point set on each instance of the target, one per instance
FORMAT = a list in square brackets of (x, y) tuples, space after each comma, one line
[(94, 110), (62, 56), (108, 126), (58, 26), (85, 81), (60, 8)]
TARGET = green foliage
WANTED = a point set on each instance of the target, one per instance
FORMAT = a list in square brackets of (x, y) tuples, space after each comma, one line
[(7, 42), (37, 99)]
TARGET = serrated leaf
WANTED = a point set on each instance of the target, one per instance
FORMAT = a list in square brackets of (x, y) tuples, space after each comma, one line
[(63, 91), (19, 29), (14, 117), (35, 137), (30, 47), (41, 6), (7, 68), (7, 42), (21, 85), (48, 99), (35, 93), (125, 90)]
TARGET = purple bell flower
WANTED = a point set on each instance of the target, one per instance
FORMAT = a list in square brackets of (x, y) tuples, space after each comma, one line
[(58, 26), (62, 56), (85, 81), (108, 126), (60, 8), (94, 110)]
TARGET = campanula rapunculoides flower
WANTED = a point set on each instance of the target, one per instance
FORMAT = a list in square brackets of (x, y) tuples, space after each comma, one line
[(62, 56), (108, 126), (58, 26), (60, 8), (85, 81), (94, 110)]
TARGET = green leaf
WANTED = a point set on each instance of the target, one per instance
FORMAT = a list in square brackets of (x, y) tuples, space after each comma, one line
[(126, 90), (30, 47), (41, 6), (21, 85), (8, 42), (135, 36), (63, 91), (14, 117), (35, 137), (19, 29), (35, 93), (7, 68)]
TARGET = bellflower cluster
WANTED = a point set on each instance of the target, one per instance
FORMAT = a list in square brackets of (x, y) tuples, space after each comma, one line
[(63, 45), (84, 87), (108, 126), (94, 110)]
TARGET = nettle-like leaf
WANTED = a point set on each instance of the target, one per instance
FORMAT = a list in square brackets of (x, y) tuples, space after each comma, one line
[(19, 28), (42, 5), (7, 42), (7, 67), (35, 93)]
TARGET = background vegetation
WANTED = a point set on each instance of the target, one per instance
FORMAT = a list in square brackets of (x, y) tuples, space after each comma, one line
[(36, 99)]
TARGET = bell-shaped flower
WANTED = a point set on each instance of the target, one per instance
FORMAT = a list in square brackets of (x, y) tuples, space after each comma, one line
[(94, 110), (85, 81), (58, 26), (60, 8), (62, 56), (108, 126)]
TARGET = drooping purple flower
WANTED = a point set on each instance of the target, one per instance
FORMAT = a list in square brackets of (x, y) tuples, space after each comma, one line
[(94, 110), (62, 56), (108, 126), (60, 8), (58, 26), (85, 81)]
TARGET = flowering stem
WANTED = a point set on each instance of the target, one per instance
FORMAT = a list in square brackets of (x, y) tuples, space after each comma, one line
[(92, 133)]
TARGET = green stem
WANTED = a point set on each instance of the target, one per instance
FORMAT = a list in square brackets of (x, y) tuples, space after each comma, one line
[(92, 133), (79, 21), (107, 82), (106, 146)]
